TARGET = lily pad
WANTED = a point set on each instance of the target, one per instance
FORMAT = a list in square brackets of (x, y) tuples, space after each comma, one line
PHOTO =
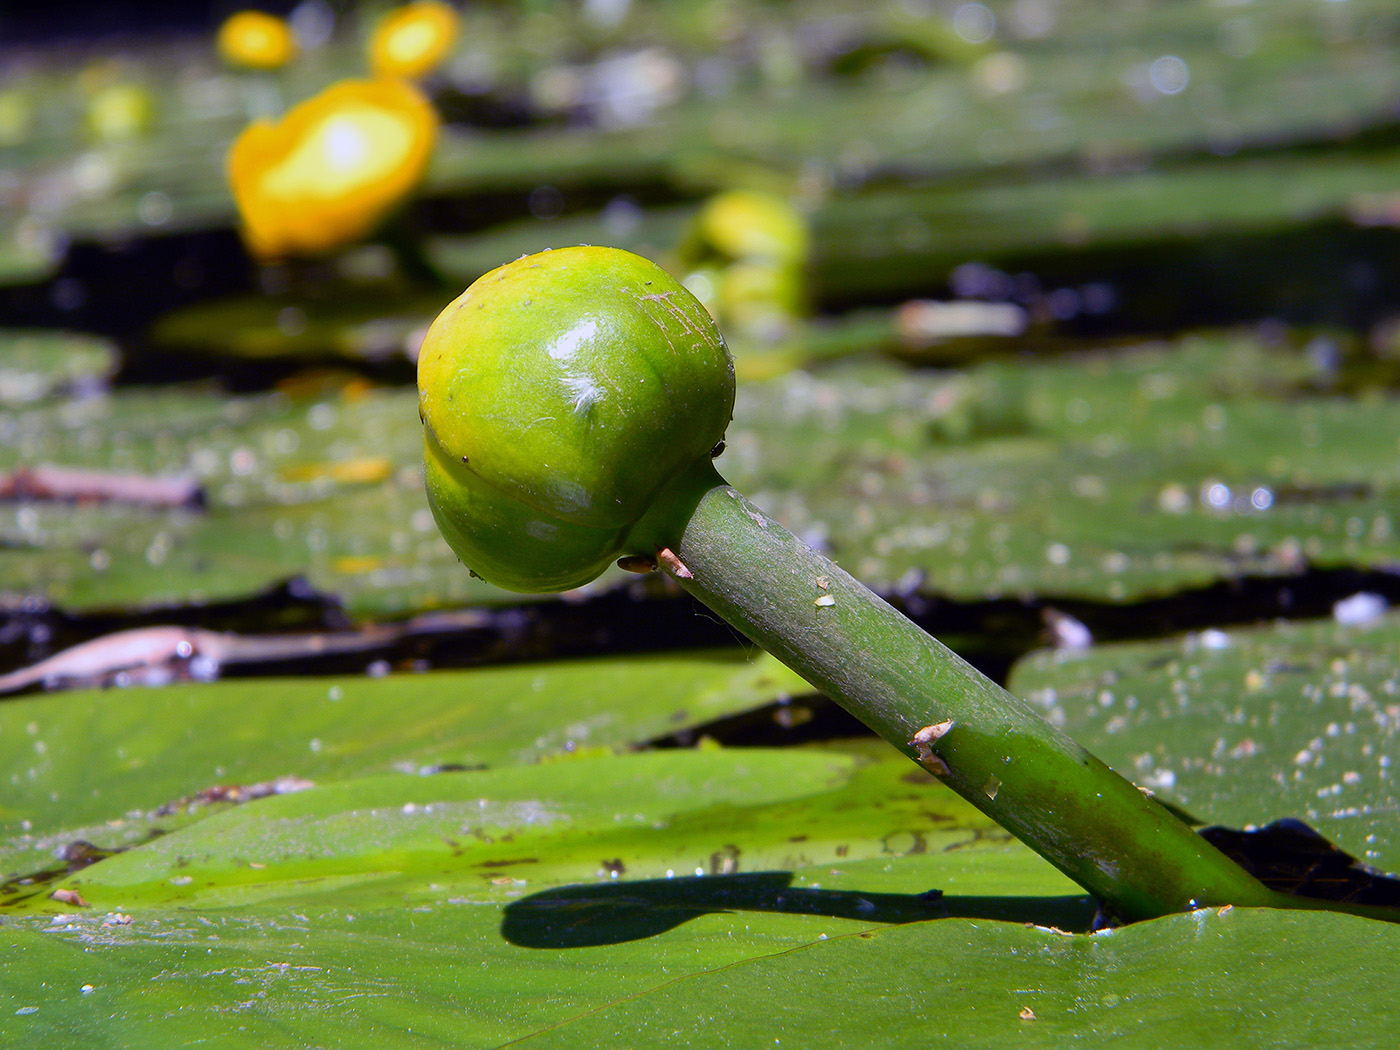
[(607, 892), (1246, 726), (1110, 475), (1000, 985), (99, 764), (35, 365), (699, 812), (348, 322), (325, 478), (283, 907)]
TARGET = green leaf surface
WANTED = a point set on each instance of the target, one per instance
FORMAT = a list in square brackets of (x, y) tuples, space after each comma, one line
[(1186, 981), (322, 481), (438, 968), (1246, 726), (823, 956), (101, 764), (650, 815), (1107, 475), (35, 365), (544, 890), (715, 897)]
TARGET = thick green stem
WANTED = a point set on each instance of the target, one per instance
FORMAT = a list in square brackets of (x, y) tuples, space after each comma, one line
[(988, 746)]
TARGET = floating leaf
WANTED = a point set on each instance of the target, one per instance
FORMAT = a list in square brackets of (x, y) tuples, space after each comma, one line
[(383, 898), (1110, 475), (1180, 980), (1246, 726), (96, 764), (35, 365)]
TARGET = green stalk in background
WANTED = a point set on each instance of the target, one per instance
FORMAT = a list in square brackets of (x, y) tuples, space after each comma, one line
[(571, 403)]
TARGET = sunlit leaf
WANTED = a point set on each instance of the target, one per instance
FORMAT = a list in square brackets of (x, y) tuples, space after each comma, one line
[(1246, 726), (101, 764)]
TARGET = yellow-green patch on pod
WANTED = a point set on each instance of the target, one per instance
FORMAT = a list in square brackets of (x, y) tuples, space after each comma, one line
[(559, 394)]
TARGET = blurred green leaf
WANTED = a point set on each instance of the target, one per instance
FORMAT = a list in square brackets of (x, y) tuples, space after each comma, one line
[(35, 365), (1104, 475), (1110, 475)]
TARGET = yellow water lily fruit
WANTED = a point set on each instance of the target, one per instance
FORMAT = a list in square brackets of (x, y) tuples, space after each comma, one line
[(256, 40), (559, 395), (413, 40), (328, 172), (760, 296)]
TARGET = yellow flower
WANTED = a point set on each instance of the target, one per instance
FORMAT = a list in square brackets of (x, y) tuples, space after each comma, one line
[(256, 40), (411, 41), (327, 173)]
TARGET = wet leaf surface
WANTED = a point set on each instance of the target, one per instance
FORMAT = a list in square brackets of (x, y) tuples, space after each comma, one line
[(1245, 726), (1112, 475), (1116, 475), (99, 764), (35, 365)]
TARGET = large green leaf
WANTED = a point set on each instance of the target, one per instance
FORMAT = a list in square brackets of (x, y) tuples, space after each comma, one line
[(1108, 475), (650, 815), (1111, 475), (1294, 720), (324, 482), (101, 765), (422, 911), (484, 881), (723, 897), (1182, 981)]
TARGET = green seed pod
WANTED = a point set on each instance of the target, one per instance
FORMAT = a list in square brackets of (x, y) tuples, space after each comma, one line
[(559, 393)]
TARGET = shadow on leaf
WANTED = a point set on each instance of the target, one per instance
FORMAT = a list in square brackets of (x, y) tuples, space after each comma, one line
[(612, 913)]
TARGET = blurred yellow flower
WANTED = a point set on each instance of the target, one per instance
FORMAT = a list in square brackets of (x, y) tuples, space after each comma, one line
[(411, 41), (256, 40), (327, 173)]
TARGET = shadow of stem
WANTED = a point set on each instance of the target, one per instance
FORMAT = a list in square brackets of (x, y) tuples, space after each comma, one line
[(613, 913)]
